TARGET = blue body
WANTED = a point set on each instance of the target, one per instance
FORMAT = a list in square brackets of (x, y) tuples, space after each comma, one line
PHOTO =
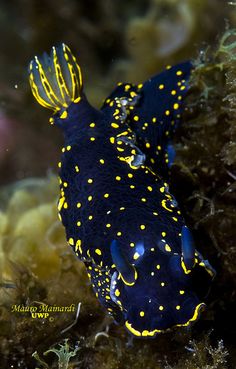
[(115, 204)]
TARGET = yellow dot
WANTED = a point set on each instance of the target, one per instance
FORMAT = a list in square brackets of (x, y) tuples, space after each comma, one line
[(140, 85), (175, 219), (177, 307), (142, 226), (167, 112), (136, 256), (102, 161), (115, 125), (63, 149), (132, 244), (154, 119), (77, 168), (162, 284), (78, 223), (92, 138), (136, 118), (155, 213), (112, 140), (117, 293), (90, 217), (59, 164), (107, 297), (118, 178), (182, 88), (141, 313), (119, 233), (106, 195), (179, 72), (173, 92), (98, 251), (181, 292), (163, 234), (132, 187), (158, 266), (161, 87), (65, 206), (176, 106), (143, 199), (79, 205), (92, 125), (90, 180), (167, 248), (148, 145), (71, 241), (108, 225), (149, 188), (122, 208), (90, 198), (161, 307), (130, 175), (159, 147)]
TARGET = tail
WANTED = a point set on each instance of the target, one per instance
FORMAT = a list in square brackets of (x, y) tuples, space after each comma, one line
[(56, 79)]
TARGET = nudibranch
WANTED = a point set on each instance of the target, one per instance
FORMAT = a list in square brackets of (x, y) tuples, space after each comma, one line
[(119, 215)]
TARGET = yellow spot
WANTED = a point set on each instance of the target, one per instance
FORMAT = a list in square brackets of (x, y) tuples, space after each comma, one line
[(90, 180), (132, 187), (158, 266), (71, 241), (68, 148), (102, 161), (155, 213), (90, 198), (107, 297), (162, 189), (79, 205), (136, 118), (179, 72), (65, 184), (140, 85), (154, 119), (119, 233), (175, 219), (177, 307), (92, 125), (77, 168), (65, 206), (122, 208), (112, 140), (148, 145), (161, 307), (92, 138), (108, 225), (142, 226), (149, 188), (176, 106), (90, 217), (167, 112), (63, 149), (78, 223), (143, 199), (98, 252), (162, 284), (163, 234), (118, 178), (161, 87), (106, 195), (64, 115), (132, 244), (59, 164), (115, 125), (130, 175), (78, 246), (181, 292), (167, 248), (136, 256), (159, 147), (117, 293), (182, 88), (141, 313), (173, 92)]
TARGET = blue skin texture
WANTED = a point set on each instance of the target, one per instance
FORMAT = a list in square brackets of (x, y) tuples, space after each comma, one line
[(119, 216)]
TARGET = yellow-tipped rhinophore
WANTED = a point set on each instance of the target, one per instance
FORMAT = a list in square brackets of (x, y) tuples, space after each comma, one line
[(56, 80)]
